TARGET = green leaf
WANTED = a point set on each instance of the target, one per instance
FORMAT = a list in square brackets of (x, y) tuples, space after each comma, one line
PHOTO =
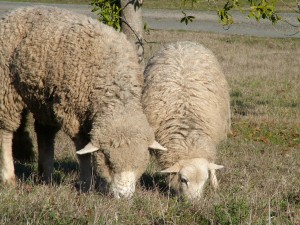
[(186, 19), (109, 12)]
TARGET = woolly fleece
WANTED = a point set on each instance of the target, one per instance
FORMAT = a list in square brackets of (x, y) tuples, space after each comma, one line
[(78, 74), (186, 100)]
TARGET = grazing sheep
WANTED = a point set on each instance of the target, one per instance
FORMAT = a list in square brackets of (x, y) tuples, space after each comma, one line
[(76, 74), (186, 100)]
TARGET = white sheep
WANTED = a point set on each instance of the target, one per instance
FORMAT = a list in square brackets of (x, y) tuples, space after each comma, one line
[(186, 100), (75, 74)]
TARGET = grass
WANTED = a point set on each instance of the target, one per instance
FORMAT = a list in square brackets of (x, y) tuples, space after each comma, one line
[(260, 182)]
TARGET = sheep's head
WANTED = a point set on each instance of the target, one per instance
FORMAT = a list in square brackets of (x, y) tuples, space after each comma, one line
[(187, 177), (120, 167)]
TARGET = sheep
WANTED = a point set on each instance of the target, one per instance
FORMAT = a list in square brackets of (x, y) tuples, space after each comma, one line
[(186, 100), (75, 74)]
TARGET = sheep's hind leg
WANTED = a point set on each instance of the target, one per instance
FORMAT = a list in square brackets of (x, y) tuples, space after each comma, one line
[(6, 158), (45, 140)]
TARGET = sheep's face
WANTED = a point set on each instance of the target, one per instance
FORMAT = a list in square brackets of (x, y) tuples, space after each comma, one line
[(121, 165), (120, 146), (188, 177)]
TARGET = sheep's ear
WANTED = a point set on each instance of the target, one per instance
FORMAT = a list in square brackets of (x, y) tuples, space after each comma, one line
[(173, 169), (212, 166), (89, 148), (156, 146), (213, 178)]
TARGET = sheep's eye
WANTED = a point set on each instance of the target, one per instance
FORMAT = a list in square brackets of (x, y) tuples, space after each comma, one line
[(183, 180)]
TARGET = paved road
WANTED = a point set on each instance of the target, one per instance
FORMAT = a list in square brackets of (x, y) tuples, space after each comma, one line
[(205, 21)]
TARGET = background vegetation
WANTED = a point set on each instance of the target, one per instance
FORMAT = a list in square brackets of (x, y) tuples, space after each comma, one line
[(260, 182), (283, 5)]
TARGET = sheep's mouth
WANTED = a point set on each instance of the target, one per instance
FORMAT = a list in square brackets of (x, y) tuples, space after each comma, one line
[(123, 184)]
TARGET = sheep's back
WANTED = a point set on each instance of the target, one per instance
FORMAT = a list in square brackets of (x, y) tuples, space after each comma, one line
[(65, 58), (186, 92), (14, 26)]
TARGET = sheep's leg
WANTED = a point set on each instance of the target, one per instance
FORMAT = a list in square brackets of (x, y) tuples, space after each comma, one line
[(6, 158), (11, 106), (45, 140), (85, 172), (24, 141), (85, 166)]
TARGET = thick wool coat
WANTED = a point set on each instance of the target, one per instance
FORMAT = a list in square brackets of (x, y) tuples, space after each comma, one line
[(78, 74), (186, 100)]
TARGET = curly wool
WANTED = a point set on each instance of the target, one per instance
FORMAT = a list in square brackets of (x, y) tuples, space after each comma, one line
[(73, 72), (186, 100)]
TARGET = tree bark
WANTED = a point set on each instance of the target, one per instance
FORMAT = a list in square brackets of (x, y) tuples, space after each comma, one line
[(132, 25)]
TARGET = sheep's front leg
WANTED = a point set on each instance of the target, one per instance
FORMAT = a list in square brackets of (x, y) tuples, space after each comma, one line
[(85, 172), (6, 158), (85, 165), (45, 140)]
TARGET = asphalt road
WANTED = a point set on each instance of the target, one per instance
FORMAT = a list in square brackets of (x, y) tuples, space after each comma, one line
[(205, 21)]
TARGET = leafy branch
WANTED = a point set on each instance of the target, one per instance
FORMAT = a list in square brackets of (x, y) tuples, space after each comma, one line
[(258, 9), (108, 12)]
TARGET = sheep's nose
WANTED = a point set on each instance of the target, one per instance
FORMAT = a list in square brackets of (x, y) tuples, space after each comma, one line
[(125, 195)]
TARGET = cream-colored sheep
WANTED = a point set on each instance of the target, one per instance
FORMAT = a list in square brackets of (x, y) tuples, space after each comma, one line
[(75, 74), (186, 101)]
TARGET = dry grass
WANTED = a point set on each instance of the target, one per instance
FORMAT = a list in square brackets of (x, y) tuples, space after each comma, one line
[(262, 156), (260, 183)]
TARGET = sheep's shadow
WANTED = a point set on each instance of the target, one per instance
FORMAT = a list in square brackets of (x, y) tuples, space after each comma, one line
[(28, 172), (156, 182), (63, 169), (23, 148), (149, 182)]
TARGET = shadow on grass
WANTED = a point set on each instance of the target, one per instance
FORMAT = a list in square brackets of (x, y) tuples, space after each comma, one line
[(157, 181), (28, 172), (23, 149)]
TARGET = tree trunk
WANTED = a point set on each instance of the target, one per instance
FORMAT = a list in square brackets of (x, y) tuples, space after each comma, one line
[(132, 25)]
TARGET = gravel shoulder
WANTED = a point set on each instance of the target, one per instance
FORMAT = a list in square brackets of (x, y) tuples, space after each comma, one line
[(205, 21)]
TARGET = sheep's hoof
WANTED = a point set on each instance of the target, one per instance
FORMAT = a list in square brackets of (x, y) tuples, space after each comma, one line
[(10, 182)]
